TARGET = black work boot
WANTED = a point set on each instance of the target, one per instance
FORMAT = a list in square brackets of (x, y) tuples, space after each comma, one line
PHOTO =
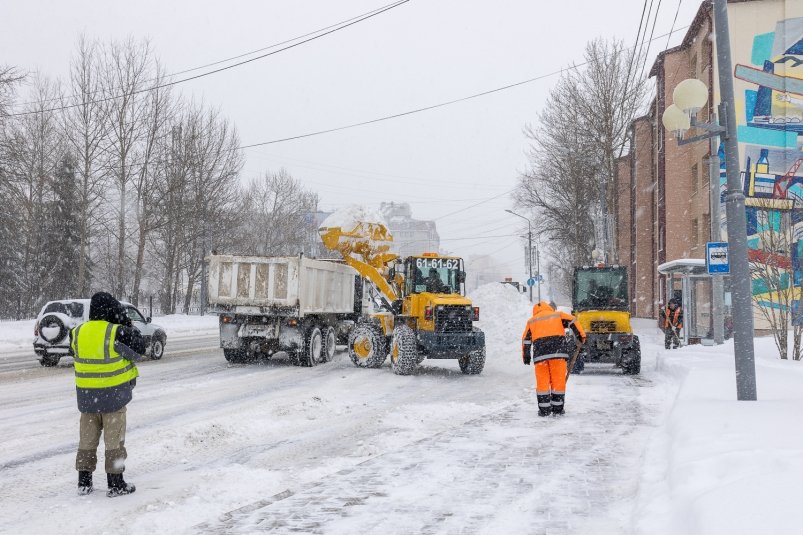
[(85, 483), (118, 486), (544, 402)]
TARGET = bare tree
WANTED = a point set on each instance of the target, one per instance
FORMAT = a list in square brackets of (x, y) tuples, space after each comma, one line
[(582, 130), (153, 155), (33, 150), (126, 70), (277, 206), (85, 131), (771, 271)]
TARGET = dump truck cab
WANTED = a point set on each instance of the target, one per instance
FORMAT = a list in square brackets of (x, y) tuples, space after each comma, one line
[(601, 305)]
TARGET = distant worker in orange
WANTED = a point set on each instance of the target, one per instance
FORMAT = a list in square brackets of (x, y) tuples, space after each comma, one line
[(544, 342), (673, 323)]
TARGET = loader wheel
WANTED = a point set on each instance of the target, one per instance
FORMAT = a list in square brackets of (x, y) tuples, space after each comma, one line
[(403, 350), (313, 348), (631, 360), (329, 344), (473, 363), (367, 346)]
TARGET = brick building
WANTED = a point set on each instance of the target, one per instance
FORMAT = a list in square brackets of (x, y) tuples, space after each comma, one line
[(664, 204)]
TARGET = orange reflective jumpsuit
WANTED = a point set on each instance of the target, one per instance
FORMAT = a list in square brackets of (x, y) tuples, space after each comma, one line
[(544, 342)]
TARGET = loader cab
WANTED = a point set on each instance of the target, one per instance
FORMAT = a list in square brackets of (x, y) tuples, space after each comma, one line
[(600, 288), (433, 274)]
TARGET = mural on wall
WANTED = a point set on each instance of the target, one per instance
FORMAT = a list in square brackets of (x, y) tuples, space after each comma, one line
[(771, 136)]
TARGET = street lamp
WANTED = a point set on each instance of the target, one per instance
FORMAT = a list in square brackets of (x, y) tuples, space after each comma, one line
[(690, 96), (529, 252)]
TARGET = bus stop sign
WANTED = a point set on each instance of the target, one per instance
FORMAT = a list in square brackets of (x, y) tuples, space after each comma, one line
[(716, 257)]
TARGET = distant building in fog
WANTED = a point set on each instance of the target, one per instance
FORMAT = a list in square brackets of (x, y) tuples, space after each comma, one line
[(313, 246), (410, 236)]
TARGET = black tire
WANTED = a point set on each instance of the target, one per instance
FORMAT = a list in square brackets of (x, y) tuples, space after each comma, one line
[(313, 347), (49, 321), (235, 356), (473, 363), (403, 350), (157, 346), (631, 359), (367, 346), (329, 343), (49, 361)]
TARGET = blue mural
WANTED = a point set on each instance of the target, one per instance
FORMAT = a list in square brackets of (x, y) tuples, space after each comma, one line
[(771, 136)]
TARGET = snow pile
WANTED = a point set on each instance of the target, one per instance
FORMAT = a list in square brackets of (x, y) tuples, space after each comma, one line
[(503, 314), (722, 466), (348, 217), (16, 335), (182, 325)]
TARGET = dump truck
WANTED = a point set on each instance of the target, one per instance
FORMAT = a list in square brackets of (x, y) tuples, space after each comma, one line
[(420, 308), (601, 305), (293, 304)]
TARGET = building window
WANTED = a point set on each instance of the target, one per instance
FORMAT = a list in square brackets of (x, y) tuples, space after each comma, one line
[(695, 233), (694, 179), (707, 226)]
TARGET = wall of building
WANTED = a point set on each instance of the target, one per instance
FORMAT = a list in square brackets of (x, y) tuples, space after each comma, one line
[(410, 236), (767, 54)]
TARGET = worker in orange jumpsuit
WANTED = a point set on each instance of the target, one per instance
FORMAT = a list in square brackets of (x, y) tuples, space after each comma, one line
[(544, 342)]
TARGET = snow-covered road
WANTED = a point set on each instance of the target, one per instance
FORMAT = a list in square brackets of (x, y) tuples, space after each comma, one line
[(336, 449)]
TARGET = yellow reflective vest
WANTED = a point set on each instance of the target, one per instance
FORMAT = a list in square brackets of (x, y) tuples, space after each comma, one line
[(97, 362)]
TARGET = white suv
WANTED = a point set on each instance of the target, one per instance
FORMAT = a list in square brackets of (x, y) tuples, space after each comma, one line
[(51, 333)]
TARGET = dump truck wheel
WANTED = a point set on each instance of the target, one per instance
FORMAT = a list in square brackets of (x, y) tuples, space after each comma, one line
[(235, 356), (329, 344), (403, 350), (473, 363), (313, 348), (367, 346)]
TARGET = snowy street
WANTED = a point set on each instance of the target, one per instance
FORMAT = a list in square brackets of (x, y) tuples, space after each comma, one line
[(220, 448), (227, 448)]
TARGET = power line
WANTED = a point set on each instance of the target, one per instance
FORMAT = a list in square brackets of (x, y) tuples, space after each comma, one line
[(232, 66), (426, 108)]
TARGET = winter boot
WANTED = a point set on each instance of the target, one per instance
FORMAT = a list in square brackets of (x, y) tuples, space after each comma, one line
[(85, 483), (544, 404), (118, 486), (557, 404)]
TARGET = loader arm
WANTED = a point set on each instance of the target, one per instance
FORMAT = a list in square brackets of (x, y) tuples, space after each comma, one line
[(371, 243)]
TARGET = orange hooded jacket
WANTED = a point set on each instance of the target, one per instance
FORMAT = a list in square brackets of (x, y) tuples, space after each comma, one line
[(544, 336)]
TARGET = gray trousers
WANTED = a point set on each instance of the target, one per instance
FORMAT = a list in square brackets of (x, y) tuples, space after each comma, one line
[(112, 425)]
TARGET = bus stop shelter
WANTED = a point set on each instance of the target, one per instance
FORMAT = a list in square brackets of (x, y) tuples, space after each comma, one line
[(688, 280)]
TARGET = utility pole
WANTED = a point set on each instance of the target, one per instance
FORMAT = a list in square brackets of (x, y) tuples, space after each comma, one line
[(538, 271), (737, 220), (529, 252)]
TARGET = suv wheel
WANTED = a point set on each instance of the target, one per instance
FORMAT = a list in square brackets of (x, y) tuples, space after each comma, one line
[(52, 329), (157, 347), (48, 361)]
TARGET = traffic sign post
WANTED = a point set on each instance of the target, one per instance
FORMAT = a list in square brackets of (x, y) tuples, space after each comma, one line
[(717, 259)]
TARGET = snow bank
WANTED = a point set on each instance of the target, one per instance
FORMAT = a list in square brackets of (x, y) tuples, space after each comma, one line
[(722, 466), (503, 311), (18, 335), (349, 216)]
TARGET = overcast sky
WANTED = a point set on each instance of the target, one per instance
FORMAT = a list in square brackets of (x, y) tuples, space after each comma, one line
[(422, 53)]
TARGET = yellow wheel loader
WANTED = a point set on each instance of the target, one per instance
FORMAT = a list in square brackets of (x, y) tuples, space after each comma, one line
[(601, 305), (418, 305)]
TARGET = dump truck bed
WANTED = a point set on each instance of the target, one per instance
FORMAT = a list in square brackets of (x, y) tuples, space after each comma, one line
[(260, 283)]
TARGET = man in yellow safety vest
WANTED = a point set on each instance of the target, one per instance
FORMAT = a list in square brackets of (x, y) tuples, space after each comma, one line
[(104, 349)]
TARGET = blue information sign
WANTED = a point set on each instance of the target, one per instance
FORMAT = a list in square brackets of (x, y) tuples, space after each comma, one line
[(716, 257), (531, 281)]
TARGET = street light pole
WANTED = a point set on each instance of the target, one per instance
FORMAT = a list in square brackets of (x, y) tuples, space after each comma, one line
[(737, 221), (529, 252)]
